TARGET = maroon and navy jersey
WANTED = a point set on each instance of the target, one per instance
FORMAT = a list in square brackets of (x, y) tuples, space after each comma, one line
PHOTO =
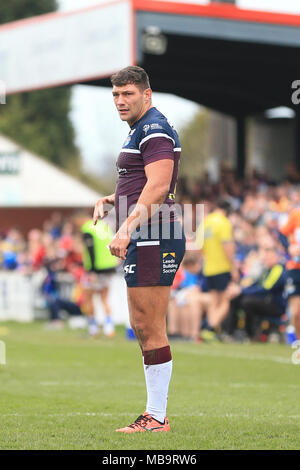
[(150, 139)]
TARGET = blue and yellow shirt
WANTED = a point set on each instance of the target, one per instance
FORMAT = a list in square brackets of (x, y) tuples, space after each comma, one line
[(217, 231)]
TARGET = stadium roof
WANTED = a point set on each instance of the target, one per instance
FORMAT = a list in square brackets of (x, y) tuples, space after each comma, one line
[(232, 60)]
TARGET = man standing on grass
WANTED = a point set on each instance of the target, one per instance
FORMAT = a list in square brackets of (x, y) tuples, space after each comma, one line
[(149, 237), (218, 266)]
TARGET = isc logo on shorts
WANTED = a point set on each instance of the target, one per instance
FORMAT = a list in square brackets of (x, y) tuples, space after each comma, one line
[(129, 268)]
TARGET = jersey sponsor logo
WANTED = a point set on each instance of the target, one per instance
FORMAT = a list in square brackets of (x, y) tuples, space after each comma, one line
[(129, 268), (127, 141), (122, 171), (166, 254), (169, 264), (146, 128), (153, 127)]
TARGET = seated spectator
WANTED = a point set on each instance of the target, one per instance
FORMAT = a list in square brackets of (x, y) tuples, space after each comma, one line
[(11, 245), (261, 299), (54, 301), (189, 301), (36, 249)]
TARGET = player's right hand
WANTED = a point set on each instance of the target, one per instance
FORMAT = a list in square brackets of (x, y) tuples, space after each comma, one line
[(102, 208), (233, 290)]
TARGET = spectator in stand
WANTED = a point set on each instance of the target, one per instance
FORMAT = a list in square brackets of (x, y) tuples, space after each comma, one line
[(292, 230), (292, 172), (55, 302), (260, 208), (56, 224), (36, 249), (261, 299), (11, 246), (189, 301)]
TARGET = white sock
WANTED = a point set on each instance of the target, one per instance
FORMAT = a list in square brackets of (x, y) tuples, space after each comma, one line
[(157, 377)]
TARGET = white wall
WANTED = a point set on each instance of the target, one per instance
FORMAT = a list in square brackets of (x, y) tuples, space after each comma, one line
[(20, 297)]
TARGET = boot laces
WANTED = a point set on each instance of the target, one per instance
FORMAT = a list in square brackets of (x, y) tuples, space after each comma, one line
[(141, 421)]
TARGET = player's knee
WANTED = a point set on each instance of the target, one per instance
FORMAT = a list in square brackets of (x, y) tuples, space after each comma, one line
[(141, 325), (142, 333), (145, 330)]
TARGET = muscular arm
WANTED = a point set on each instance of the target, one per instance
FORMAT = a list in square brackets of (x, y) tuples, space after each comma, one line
[(159, 176), (229, 249)]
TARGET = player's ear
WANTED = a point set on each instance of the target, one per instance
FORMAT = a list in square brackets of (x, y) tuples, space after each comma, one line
[(148, 95)]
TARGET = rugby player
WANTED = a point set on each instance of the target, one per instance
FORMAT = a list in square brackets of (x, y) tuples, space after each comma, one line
[(147, 167)]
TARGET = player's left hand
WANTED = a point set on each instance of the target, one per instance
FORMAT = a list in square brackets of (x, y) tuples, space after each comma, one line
[(118, 245)]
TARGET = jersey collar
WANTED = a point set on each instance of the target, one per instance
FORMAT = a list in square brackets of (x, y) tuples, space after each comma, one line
[(141, 118)]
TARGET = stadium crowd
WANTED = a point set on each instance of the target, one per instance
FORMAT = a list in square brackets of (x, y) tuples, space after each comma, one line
[(252, 302), (57, 257), (252, 305)]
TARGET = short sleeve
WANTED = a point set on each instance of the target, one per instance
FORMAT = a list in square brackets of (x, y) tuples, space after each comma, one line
[(156, 144)]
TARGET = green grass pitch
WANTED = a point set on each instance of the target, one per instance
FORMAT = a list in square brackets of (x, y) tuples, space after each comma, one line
[(61, 390)]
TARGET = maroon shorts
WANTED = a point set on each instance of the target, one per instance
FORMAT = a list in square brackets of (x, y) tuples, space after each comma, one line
[(154, 261)]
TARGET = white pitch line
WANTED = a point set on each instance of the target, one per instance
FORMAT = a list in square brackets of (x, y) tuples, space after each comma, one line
[(260, 385), (95, 384), (73, 414), (173, 415), (279, 359)]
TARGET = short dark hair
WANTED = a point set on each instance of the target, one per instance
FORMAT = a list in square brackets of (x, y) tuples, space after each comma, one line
[(134, 75), (224, 205)]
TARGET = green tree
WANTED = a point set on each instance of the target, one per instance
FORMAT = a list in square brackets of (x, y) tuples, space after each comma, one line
[(194, 143), (18, 9), (39, 120)]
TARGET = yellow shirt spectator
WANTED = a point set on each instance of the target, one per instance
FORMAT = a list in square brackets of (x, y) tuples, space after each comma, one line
[(217, 230)]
